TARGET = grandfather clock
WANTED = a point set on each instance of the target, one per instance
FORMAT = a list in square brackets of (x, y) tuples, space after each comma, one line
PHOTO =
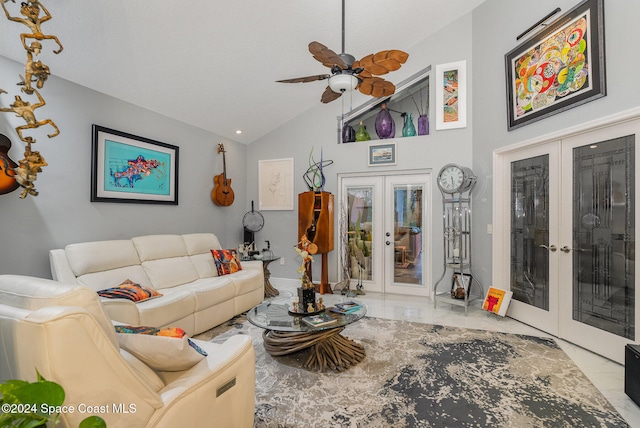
[(315, 220)]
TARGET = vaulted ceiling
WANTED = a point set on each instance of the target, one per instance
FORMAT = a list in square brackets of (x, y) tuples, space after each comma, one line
[(214, 63)]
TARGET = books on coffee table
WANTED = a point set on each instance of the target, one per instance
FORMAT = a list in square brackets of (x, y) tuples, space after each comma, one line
[(319, 320), (346, 307)]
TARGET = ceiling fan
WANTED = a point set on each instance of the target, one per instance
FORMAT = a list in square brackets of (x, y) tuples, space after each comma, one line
[(348, 74)]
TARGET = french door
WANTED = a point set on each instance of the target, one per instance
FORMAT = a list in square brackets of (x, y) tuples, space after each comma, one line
[(386, 223), (569, 207)]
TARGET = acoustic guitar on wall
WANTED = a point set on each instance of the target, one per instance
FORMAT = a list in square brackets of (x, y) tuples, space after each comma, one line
[(222, 193), (7, 181)]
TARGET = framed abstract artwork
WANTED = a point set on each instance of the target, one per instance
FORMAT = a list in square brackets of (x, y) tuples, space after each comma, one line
[(382, 154), (128, 168), (451, 95), (275, 186), (561, 67)]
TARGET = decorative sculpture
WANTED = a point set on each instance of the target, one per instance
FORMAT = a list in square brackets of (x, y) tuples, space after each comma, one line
[(31, 12), (26, 173), (25, 110), (35, 71), (314, 176)]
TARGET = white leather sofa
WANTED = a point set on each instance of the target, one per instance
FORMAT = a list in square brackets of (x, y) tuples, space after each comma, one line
[(181, 267), (62, 331)]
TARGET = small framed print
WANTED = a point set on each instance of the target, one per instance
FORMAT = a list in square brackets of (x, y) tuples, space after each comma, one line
[(460, 285), (382, 154), (451, 95), (275, 184)]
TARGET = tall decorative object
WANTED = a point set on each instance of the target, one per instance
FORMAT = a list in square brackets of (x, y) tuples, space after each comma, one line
[(362, 134), (315, 222), (306, 291), (408, 130), (348, 133), (26, 173), (423, 124), (423, 118), (456, 184), (385, 125)]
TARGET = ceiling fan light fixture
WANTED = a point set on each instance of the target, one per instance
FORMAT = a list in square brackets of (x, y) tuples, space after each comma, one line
[(343, 83)]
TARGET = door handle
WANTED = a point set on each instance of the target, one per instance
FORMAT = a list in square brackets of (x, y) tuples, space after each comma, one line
[(551, 248), (566, 249)]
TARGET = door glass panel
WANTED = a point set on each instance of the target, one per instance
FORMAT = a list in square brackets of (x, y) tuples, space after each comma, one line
[(530, 230), (604, 236), (360, 231), (407, 212)]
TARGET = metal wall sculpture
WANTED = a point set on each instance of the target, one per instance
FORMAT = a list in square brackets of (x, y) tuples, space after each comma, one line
[(33, 15)]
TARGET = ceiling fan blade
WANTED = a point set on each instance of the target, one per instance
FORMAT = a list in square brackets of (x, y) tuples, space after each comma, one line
[(383, 61), (328, 95), (305, 79), (326, 56), (376, 86)]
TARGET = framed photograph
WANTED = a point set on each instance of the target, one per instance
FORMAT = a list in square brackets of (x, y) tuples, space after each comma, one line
[(460, 285), (382, 154), (451, 95), (128, 168), (561, 67), (275, 187)]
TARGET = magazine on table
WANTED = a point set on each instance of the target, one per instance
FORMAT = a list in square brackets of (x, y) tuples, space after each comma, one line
[(319, 320), (346, 307)]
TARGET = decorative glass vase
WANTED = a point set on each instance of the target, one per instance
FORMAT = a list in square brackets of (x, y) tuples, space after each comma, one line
[(348, 133), (423, 124), (362, 134), (408, 130), (385, 125)]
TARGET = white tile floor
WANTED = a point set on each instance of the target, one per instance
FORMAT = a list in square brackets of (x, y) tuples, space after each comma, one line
[(605, 374)]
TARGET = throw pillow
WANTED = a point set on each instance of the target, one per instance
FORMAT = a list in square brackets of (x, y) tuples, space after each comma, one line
[(164, 349), (226, 261), (129, 290)]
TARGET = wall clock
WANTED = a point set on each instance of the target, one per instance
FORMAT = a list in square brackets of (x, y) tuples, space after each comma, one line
[(454, 178)]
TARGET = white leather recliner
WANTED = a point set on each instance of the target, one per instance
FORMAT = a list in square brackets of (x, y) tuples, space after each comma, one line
[(62, 331)]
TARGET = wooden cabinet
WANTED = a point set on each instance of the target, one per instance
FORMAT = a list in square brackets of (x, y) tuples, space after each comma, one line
[(315, 220)]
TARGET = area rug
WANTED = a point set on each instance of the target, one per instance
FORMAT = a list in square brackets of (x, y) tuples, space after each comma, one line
[(421, 375)]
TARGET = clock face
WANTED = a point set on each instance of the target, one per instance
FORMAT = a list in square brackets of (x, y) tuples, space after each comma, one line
[(451, 178)]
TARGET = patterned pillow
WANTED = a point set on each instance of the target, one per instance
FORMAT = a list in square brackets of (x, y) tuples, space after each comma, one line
[(165, 349), (226, 261), (129, 290)]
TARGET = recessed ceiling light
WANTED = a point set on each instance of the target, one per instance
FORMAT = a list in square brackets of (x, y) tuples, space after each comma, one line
[(238, 131)]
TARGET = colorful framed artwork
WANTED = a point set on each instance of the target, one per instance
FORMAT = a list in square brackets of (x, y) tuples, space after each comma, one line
[(451, 95), (382, 154), (128, 168), (275, 184), (561, 67)]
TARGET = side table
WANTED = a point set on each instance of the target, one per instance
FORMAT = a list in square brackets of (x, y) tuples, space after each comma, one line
[(269, 290)]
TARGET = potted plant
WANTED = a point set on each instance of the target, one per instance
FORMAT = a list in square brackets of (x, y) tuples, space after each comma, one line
[(34, 404)]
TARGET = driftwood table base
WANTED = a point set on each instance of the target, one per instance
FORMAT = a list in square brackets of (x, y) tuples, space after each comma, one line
[(328, 348)]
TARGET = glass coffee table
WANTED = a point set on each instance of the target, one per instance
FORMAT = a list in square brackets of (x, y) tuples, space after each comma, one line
[(285, 334)]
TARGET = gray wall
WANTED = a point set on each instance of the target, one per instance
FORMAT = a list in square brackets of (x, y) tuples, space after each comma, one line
[(317, 129), (62, 213), (489, 105)]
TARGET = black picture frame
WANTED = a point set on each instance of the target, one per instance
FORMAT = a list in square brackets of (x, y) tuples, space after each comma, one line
[(544, 79), (462, 279), (127, 168)]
